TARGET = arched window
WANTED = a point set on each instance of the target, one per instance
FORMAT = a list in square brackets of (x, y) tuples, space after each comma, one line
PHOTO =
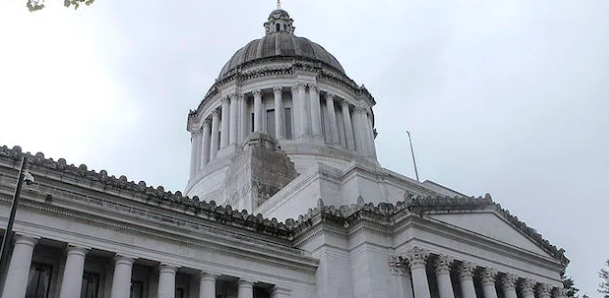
[(285, 27), (278, 27)]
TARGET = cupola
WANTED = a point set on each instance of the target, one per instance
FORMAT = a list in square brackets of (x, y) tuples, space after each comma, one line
[(279, 21)]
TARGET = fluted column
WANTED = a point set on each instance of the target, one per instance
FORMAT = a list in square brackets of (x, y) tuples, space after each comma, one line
[(508, 285), (543, 290), (417, 258), (466, 279), (371, 127), (358, 130), (348, 126), (208, 285), (442, 268), (71, 283), (121, 281), (234, 108), (246, 289), (401, 277), (332, 119), (225, 123), (15, 284), (315, 103), (303, 108), (279, 113), (206, 142), (193, 153), (295, 113), (528, 288), (244, 118), (167, 281), (215, 121), (488, 282), (257, 110)]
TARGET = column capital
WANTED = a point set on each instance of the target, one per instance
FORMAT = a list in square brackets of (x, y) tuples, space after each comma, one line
[(277, 89), (313, 87), (442, 264), (508, 282), (257, 92), (245, 283), (488, 276), (543, 290), (27, 240), (207, 122), (417, 257), (344, 104), (215, 113), (165, 268), (528, 286), (397, 265), (226, 99), (301, 86), (77, 250), (120, 259), (330, 96), (466, 270), (233, 96), (208, 276)]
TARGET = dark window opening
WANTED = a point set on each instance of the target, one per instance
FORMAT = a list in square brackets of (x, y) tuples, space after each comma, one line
[(285, 27), (278, 27), (90, 285), (251, 122), (179, 293), (39, 281), (137, 289), (288, 123)]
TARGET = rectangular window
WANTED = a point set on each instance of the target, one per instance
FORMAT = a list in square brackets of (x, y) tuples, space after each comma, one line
[(90, 285), (137, 289), (270, 122), (288, 123), (39, 281)]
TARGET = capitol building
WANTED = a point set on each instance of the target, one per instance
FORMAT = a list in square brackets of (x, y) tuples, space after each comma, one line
[(285, 199)]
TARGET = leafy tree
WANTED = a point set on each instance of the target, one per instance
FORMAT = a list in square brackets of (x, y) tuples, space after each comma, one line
[(603, 288), (34, 5)]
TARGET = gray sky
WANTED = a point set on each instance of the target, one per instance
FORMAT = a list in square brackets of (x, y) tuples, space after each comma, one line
[(509, 97)]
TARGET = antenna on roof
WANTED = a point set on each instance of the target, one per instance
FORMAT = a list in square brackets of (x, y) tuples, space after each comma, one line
[(414, 162), (278, 4)]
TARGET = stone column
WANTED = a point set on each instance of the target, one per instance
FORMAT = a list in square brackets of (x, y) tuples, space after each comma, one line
[(348, 126), (332, 119), (206, 142), (233, 119), (243, 118), (466, 279), (367, 132), (257, 110), (358, 130), (543, 290), (371, 127), (401, 278), (278, 292), (488, 282), (315, 103), (214, 134), (295, 113), (303, 107), (194, 147), (121, 281), (208, 285), (442, 268), (279, 113), (417, 258), (246, 289), (225, 123), (167, 281), (508, 285), (15, 284), (71, 283), (528, 288)]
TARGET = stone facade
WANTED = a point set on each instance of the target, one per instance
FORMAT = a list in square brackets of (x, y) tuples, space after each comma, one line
[(285, 199)]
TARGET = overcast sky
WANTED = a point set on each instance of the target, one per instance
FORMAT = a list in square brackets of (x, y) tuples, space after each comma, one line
[(506, 97)]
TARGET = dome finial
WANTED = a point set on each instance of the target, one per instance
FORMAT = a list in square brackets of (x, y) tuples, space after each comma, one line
[(278, 4)]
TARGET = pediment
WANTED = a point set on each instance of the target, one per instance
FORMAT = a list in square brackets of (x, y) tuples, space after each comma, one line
[(490, 225)]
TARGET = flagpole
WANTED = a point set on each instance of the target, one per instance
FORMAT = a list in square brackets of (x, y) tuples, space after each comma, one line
[(414, 162)]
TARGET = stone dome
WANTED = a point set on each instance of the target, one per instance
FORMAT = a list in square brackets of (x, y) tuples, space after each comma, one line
[(280, 41)]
